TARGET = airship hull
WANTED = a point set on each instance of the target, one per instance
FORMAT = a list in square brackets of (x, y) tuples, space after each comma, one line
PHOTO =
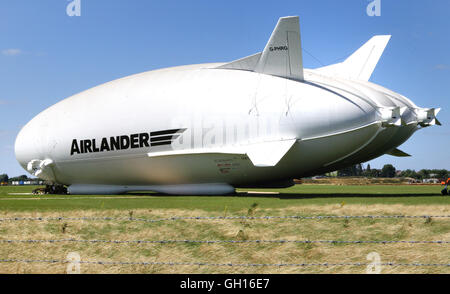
[(138, 110), (206, 129)]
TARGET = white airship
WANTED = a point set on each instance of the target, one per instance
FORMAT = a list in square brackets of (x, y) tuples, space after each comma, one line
[(259, 121)]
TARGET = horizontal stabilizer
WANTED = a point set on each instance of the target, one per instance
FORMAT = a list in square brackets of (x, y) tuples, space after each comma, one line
[(361, 64), (263, 154), (246, 63), (282, 55), (398, 153)]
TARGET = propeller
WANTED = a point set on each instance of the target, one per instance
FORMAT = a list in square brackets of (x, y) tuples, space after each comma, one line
[(427, 116), (41, 168), (391, 116)]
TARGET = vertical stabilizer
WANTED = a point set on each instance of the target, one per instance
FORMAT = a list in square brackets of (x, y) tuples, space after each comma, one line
[(282, 55), (361, 64)]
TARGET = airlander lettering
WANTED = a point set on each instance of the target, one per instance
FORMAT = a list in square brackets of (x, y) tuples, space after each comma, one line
[(123, 142)]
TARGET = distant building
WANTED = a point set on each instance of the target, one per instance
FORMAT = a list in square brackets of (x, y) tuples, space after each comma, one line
[(413, 181), (28, 182), (332, 174), (431, 181)]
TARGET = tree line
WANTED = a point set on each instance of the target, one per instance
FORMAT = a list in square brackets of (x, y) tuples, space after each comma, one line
[(389, 171), (5, 179), (357, 170)]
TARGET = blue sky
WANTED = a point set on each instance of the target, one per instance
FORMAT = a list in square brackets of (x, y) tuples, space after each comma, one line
[(46, 56)]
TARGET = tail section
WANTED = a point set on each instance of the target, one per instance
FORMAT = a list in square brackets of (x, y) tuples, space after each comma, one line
[(282, 55), (361, 64)]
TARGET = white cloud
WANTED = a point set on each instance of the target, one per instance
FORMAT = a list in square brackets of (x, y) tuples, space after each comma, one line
[(5, 101), (442, 67), (12, 52)]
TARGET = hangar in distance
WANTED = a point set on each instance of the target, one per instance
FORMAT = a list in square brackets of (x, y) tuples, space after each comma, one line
[(259, 121)]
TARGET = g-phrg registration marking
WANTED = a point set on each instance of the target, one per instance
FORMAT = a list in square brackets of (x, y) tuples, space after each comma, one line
[(124, 142), (278, 48)]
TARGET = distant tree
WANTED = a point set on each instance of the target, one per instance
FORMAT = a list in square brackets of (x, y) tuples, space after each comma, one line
[(374, 173), (351, 171), (19, 178), (369, 172), (424, 173), (416, 175), (346, 172), (406, 173), (4, 178), (359, 169), (439, 173), (388, 171)]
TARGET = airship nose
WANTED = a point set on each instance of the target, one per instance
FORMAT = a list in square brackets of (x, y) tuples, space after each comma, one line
[(32, 151), (24, 146), (29, 144)]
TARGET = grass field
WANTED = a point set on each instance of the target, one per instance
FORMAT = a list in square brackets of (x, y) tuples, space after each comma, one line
[(299, 195), (305, 200)]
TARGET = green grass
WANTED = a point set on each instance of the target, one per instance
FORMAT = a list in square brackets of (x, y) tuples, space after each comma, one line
[(298, 200), (298, 195)]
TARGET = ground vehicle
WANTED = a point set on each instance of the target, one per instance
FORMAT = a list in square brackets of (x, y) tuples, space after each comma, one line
[(50, 189)]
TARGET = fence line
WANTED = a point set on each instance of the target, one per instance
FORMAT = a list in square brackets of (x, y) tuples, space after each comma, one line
[(295, 217), (223, 264), (320, 217), (223, 241)]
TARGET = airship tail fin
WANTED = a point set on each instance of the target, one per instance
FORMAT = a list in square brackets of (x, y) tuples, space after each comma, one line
[(361, 64), (247, 63), (398, 153), (282, 55)]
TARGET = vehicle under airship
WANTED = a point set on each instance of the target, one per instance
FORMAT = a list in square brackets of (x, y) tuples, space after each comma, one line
[(259, 121)]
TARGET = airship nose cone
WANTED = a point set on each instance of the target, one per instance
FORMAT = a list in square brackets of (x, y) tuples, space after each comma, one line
[(25, 145), (33, 148), (31, 144)]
